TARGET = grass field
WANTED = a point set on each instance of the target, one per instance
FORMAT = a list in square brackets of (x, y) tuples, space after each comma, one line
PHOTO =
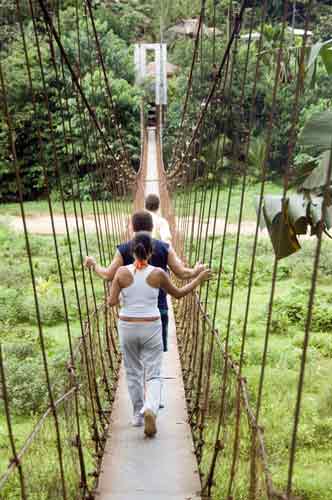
[(24, 371), (184, 205), (312, 478), (35, 208)]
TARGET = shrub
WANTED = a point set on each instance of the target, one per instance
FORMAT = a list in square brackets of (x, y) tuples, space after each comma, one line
[(293, 306), (26, 380), (280, 324), (23, 340), (26, 385), (8, 303), (321, 316), (323, 429), (323, 343)]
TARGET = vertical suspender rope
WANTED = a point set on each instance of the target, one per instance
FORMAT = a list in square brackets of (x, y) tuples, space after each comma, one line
[(116, 182), (107, 83), (207, 100), (40, 330), (212, 336), (4, 396), (189, 83), (231, 75), (208, 483), (58, 175)]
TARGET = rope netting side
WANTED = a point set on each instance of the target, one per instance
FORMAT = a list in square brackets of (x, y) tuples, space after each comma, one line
[(209, 201), (59, 453)]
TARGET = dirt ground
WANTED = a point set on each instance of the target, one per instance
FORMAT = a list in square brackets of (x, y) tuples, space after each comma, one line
[(42, 225)]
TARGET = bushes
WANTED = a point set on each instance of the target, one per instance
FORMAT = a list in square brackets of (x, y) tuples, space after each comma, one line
[(320, 341), (26, 385), (18, 323), (322, 317), (284, 353), (25, 375), (293, 307), (18, 305)]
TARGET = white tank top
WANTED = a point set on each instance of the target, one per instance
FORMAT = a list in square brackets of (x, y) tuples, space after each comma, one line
[(139, 300)]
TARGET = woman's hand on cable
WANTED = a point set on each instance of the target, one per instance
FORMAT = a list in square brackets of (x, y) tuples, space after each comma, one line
[(205, 275), (199, 267), (90, 262)]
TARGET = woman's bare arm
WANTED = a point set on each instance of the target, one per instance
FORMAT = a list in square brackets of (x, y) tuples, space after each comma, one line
[(180, 270), (161, 279), (113, 298), (121, 280)]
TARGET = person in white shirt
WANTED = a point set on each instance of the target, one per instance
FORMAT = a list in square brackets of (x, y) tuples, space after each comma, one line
[(161, 230)]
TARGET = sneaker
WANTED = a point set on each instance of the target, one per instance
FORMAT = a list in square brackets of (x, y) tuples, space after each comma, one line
[(150, 427), (138, 420)]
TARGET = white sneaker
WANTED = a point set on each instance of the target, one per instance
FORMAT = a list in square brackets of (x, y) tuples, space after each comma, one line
[(138, 420)]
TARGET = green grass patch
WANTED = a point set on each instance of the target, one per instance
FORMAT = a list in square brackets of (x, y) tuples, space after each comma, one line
[(312, 479), (41, 207), (185, 203), (21, 345)]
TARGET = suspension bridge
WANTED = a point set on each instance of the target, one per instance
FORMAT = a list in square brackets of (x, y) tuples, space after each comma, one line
[(160, 468), (211, 432)]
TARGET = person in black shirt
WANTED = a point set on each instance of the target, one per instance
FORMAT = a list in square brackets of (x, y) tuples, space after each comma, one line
[(163, 256)]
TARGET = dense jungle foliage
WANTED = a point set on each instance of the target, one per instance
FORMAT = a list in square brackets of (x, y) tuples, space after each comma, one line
[(119, 26), (31, 123)]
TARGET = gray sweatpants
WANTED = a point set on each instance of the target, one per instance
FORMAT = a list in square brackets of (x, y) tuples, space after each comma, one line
[(142, 350)]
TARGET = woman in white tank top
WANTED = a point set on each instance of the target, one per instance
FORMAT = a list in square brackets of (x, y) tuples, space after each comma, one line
[(137, 287)]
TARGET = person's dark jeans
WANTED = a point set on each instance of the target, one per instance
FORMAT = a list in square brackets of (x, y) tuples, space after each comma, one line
[(164, 322)]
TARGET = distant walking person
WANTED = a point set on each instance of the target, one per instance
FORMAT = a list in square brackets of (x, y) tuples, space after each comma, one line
[(161, 230), (140, 327)]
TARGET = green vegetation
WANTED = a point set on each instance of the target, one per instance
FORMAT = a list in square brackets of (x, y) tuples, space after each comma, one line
[(230, 128), (42, 482), (314, 455), (184, 203), (35, 208), (30, 122), (22, 354)]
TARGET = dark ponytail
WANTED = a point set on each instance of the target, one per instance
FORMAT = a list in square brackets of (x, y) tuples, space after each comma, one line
[(142, 246), (140, 252)]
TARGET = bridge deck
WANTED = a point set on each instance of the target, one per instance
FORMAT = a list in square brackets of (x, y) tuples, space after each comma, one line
[(163, 468)]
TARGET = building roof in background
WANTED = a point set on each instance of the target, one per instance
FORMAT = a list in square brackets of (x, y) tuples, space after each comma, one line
[(188, 27)]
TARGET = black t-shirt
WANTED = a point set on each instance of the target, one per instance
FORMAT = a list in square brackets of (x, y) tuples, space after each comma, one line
[(159, 258)]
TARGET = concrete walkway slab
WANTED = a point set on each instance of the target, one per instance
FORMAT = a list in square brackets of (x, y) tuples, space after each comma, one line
[(135, 467), (152, 177)]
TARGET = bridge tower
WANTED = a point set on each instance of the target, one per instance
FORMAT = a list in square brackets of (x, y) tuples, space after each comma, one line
[(151, 73)]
